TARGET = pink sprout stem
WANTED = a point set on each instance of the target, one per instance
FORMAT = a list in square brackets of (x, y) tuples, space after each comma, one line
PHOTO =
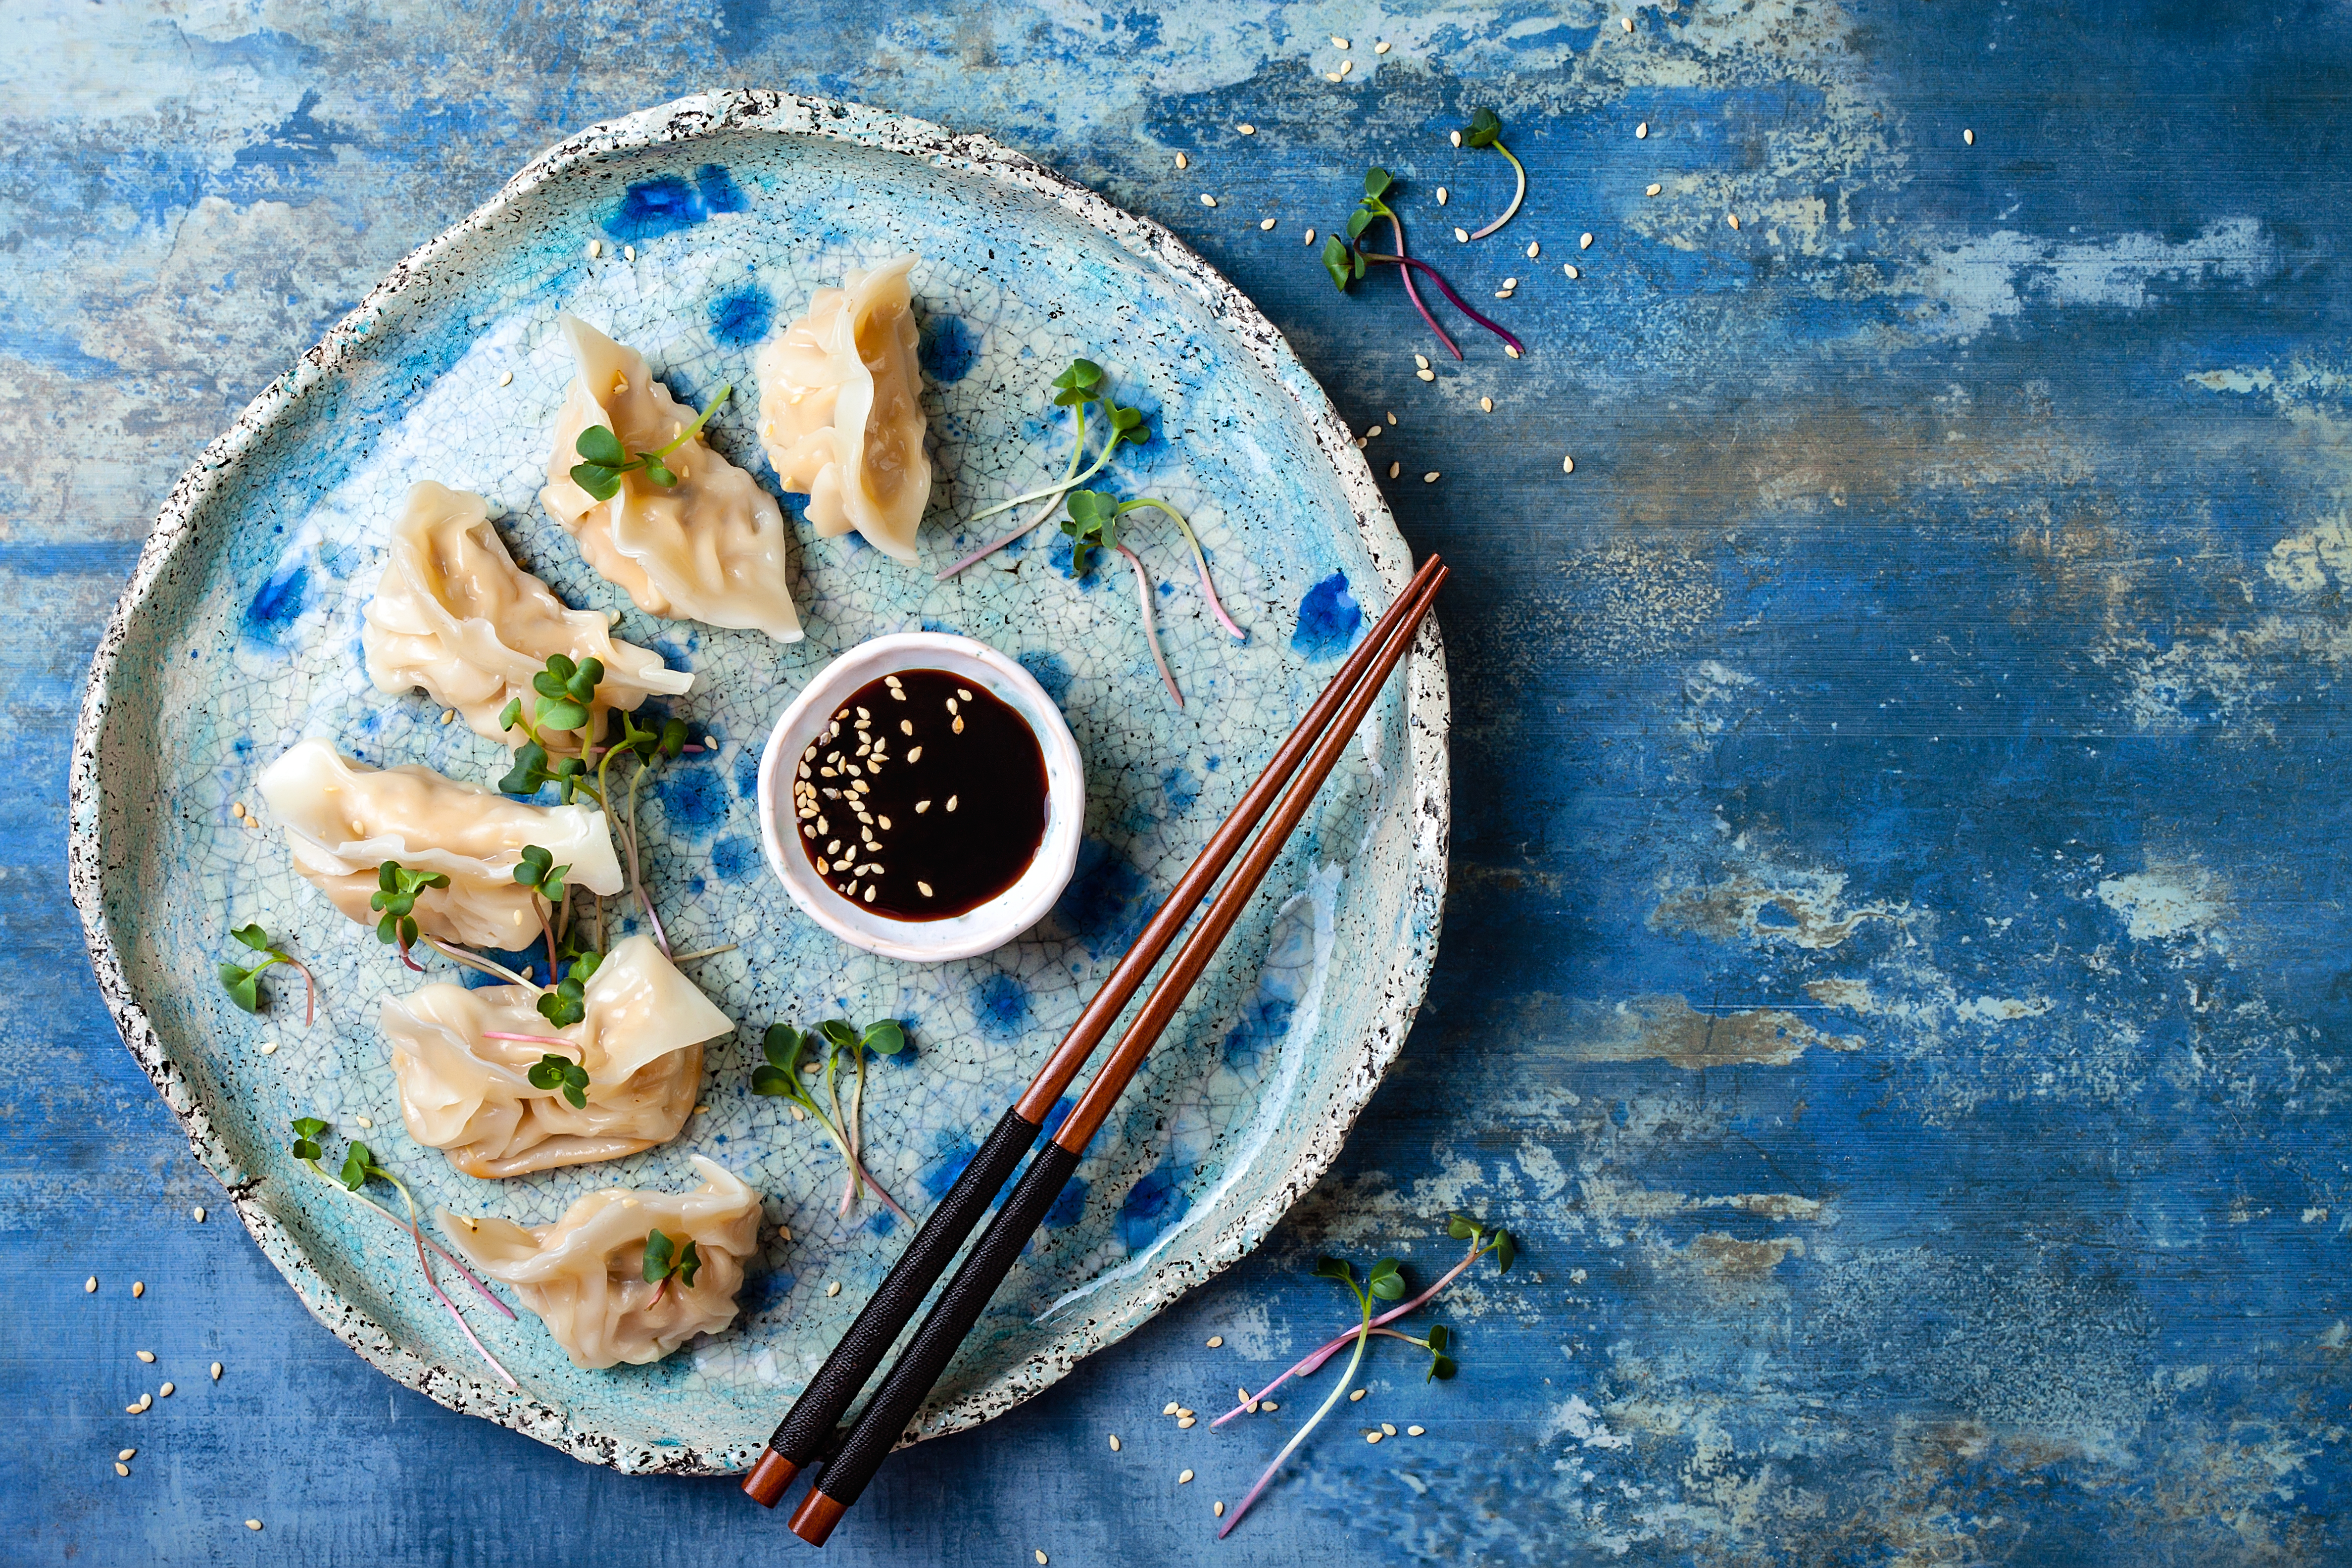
[(310, 989), (476, 961), (463, 1328), (986, 551), (1150, 625), (1362, 1335), (1200, 560), (1397, 224), (1309, 1365), (1516, 347), (393, 1219), (408, 960)]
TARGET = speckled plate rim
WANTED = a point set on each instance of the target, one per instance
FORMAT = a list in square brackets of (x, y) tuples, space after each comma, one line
[(1402, 984)]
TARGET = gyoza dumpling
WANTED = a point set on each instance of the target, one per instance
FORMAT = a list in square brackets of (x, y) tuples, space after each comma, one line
[(471, 1096), (456, 615), (343, 819), (841, 410), (708, 547), (585, 1275)]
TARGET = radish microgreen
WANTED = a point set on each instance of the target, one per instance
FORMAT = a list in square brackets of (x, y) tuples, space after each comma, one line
[(1485, 130), (603, 459), (361, 1167), (244, 984), (552, 1071), (562, 700), (668, 1259), (792, 1053), (1345, 261), (397, 888), (566, 1005), (1082, 386)]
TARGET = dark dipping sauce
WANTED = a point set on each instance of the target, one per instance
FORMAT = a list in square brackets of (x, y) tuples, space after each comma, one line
[(924, 797)]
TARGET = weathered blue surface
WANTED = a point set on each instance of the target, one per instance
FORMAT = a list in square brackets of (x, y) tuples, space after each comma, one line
[(1892, 969)]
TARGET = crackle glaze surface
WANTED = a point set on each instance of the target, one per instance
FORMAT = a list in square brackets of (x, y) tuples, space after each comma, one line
[(687, 231)]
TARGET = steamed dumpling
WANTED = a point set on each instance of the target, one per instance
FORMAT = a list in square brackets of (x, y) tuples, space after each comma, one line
[(456, 615), (708, 547), (471, 1096), (841, 410), (343, 819), (585, 1275)]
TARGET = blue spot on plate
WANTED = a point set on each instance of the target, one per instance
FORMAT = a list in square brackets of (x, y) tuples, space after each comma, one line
[(949, 349), (1328, 619), (740, 320), (281, 603), (1103, 906), (1152, 1204), (666, 204), (999, 1006), (734, 858), (693, 799)]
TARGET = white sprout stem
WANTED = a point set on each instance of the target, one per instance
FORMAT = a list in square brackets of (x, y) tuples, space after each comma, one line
[(1200, 560), (636, 878), (1069, 478), (1150, 625), (1518, 196), (393, 1220), (426, 1263), (475, 961), (702, 952), (1306, 1365), (857, 1166), (1362, 1336)]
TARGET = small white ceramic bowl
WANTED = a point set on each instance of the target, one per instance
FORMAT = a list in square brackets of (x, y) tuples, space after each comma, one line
[(980, 930)]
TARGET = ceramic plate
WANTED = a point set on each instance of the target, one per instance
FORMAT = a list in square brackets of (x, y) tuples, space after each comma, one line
[(713, 216)]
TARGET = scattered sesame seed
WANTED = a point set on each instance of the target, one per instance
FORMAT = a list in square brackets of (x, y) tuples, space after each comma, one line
[(1628, 21), (199, 1212), (1220, 1508), (1442, 194), (1330, 76), (1337, 42), (133, 1409), (1185, 1479), (628, 252), (1247, 128), (1267, 1405), (1216, 1342), (120, 1468), (1185, 1421), (595, 248), (1654, 190), (1391, 415), (269, 1047), (1387, 1429), (1430, 478), (1395, 468), (165, 1391), (448, 715), (1376, 429), (833, 1288), (1486, 406), (1970, 137), (252, 1524), (1347, 65), (138, 1288), (1310, 237), (1357, 1395), (1041, 1554), (1461, 235), (1535, 248), (1373, 1437), (89, 1286), (1457, 138), (709, 743), (703, 1111), (916, 755), (1510, 282), (956, 727), (1422, 361), (1642, 132), (1381, 47), (1583, 242), (506, 378), (147, 1356), (871, 892), (126, 1455), (1265, 225), (1510, 352), (1114, 1442), (364, 1121), (1182, 162), (798, 1115), (1414, 1431), (1169, 1409), (1426, 374), (1568, 464), (962, 693), (1572, 271), (216, 1372)]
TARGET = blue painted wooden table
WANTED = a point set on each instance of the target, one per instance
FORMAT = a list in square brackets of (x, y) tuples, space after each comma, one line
[(1894, 972)]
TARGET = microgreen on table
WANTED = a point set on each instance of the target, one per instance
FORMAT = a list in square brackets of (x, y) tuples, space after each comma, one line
[(397, 890), (1485, 130), (244, 984), (1083, 385), (552, 1071), (668, 1259), (1345, 261), (361, 1167), (793, 1053), (603, 459), (1384, 1283)]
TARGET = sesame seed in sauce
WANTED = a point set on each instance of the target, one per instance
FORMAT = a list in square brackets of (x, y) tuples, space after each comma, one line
[(628, 252), (365, 1121), (1347, 65), (1267, 1405), (952, 803), (252, 1524)]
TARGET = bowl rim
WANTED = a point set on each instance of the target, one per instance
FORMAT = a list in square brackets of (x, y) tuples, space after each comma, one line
[(1400, 987), (1010, 912)]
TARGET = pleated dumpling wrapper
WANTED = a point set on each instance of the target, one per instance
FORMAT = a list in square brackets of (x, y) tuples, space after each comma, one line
[(585, 1275), (708, 547), (841, 410), (456, 615), (464, 1057), (343, 819)]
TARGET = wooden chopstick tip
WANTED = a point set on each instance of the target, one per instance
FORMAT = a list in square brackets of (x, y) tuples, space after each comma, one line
[(768, 1479), (813, 1521)]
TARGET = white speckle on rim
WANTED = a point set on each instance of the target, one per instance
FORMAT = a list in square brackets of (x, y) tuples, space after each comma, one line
[(1583, 242), (595, 248), (833, 1288)]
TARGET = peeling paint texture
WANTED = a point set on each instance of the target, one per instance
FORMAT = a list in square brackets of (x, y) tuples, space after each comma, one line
[(1894, 968)]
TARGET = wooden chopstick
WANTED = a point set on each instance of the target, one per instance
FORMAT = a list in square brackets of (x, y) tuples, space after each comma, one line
[(813, 1419), (910, 1379)]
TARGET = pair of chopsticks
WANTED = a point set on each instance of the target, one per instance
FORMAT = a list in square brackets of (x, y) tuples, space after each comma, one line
[(809, 1426)]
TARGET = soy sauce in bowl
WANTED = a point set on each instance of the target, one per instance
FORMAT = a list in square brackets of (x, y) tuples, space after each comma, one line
[(923, 797)]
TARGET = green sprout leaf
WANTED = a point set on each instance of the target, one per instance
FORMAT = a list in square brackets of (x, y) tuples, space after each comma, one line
[(598, 445), (1463, 1229), (530, 770), (1093, 525), (243, 985), (886, 1038), (660, 1256), (553, 1071), (253, 936), (307, 1131), (1376, 182), (357, 1166), (1484, 129), (1337, 1269), (567, 1003), (1505, 1251), (1387, 1283), (1336, 261), (538, 870)]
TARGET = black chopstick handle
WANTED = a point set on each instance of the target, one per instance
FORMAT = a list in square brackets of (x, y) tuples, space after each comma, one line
[(809, 1425), (949, 1323)]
